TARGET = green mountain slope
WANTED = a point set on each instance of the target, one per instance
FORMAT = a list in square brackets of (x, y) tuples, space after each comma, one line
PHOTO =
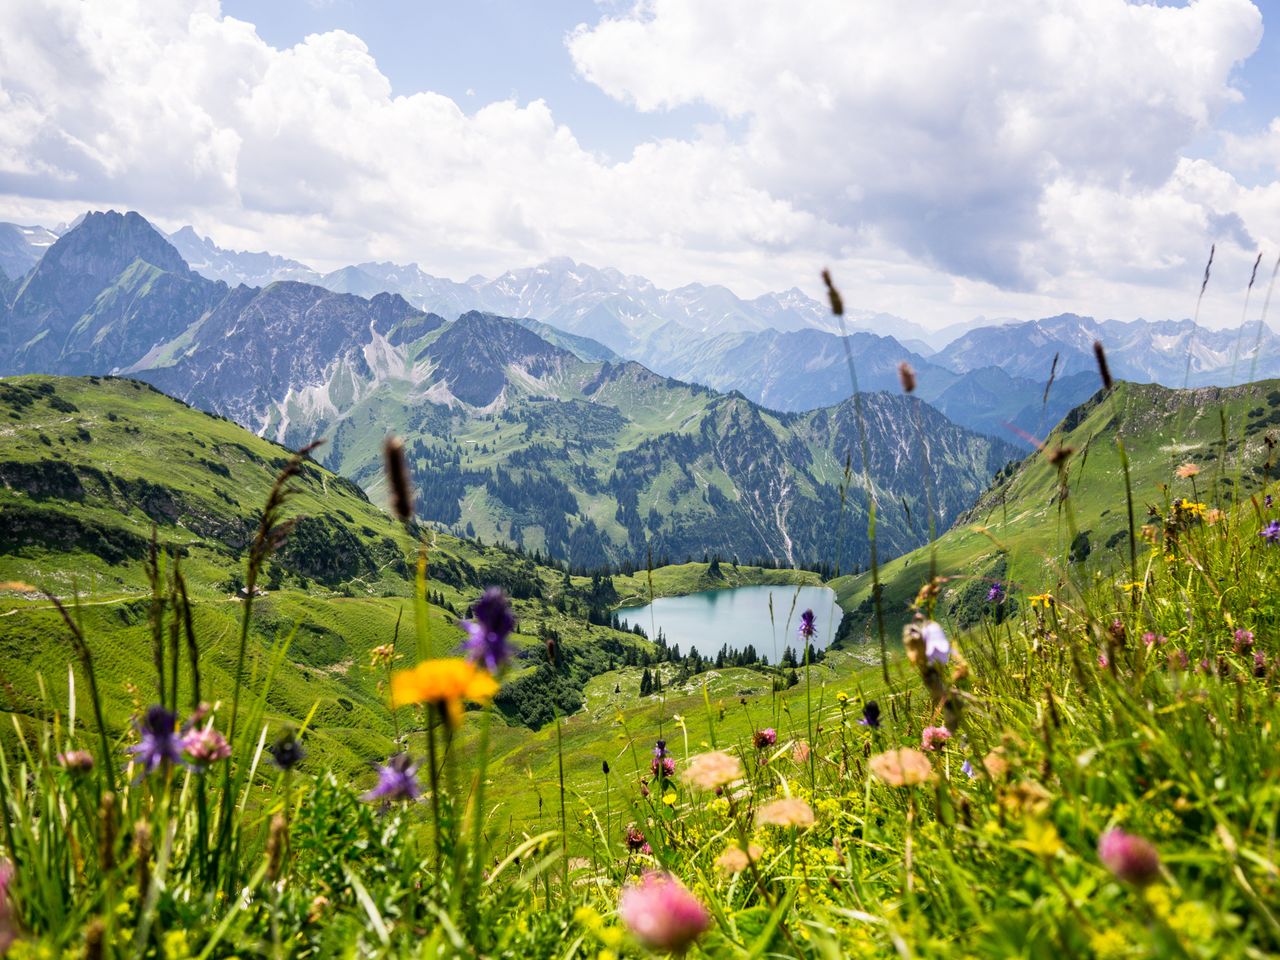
[(550, 445), (1021, 529), (89, 465)]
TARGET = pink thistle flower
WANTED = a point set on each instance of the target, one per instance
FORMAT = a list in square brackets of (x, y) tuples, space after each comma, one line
[(205, 746), (1131, 858), (662, 914), (764, 738), (76, 761), (934, 737)]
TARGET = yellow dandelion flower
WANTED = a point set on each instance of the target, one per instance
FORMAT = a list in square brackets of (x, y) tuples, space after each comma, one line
[(1044, 600), (444, 683), (842, 697)]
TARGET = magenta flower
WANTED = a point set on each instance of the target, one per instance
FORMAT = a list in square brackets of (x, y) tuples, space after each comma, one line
[(934, 737), (1103, 662), (634, 839), (8, 926), (489, 629), (1131, 858), (397, 780), (1242, 641), (662, 914), (205, 747), (764, 738), (76, 761), (1271, 532), (664, 768)]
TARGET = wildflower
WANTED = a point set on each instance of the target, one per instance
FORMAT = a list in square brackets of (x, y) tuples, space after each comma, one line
[(1150, 638), (76, 761), (663, 765), (967, 769), (1103, 662), (1187, 471), (807, 628), (764, 738), (8, 925), (902, 768), (397, 780), (934, 737), (634, 839), (711, 770), (381, 656), (1259, 664), (870, 715), (1179, 660), (669, 798), (936, 645), (842, 697), (662, 914), (735, 859), (786, 812), (997, 593), (443, 683), (995, 764), (604, 767), (1267, 501), (1271, 532), (158, 742), (1243, 641), (1213, 516), (1044, 600), (646, 849), (489, 629), (205, 747), (287, 751), (1131, 858), (800, 752)]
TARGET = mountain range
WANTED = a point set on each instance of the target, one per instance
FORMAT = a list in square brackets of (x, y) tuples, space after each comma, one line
[(512, 436)]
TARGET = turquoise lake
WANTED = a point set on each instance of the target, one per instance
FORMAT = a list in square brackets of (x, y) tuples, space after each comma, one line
[(738, 617)]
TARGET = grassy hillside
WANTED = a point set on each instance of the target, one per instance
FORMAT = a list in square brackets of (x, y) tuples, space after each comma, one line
[(1023, 528), (88, 467)]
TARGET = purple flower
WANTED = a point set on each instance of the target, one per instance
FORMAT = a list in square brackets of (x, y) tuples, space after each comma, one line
[(936, 645), (662, 914), (764, 738), (1267, 501), (967, 769), (1131, 858), (807, 628), (996, 594), (489, 629), (1271, 532), (1243, 640), (1259, 664), (158, 741), (287, 751), (870, 715), (397, 780), (660, 750)]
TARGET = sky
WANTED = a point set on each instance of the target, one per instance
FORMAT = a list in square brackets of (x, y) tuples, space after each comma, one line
[(946, 159)]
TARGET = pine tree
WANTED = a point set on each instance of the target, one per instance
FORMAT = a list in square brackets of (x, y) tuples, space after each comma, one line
[(646, 683)]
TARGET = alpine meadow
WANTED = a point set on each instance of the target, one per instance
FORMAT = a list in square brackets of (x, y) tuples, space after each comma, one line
[(603, 480)]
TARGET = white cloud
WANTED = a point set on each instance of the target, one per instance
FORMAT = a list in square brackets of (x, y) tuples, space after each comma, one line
[(947, 128), (946, 158)]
